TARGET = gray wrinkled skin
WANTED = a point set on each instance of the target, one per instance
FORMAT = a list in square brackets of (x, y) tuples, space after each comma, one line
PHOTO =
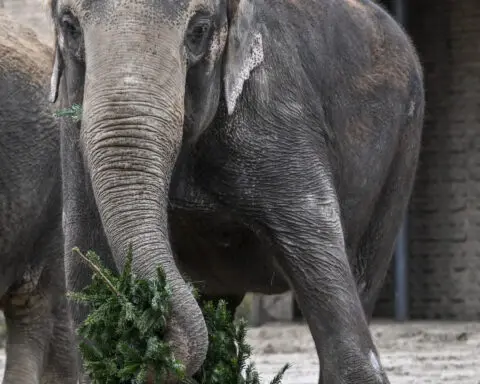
[(247, 146), (32, 275)]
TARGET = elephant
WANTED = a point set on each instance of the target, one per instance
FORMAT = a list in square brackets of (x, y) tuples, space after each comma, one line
[(40, 335), (244, 146)]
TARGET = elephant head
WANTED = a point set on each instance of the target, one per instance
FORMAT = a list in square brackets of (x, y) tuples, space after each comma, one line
[(149, 74)]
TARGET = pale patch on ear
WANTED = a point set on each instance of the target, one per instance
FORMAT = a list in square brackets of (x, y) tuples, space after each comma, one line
[(244, 53), (234, 87), (217, 46), (56, 71)]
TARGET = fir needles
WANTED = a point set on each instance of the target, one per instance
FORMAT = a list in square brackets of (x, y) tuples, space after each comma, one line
[(228, 351), (127, 325), (74, 112)]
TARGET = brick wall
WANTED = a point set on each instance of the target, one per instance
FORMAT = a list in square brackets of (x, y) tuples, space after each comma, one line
[(445, 206), (32, 13)]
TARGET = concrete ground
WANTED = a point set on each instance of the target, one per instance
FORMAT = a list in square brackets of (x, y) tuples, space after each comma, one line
[(412, 353)]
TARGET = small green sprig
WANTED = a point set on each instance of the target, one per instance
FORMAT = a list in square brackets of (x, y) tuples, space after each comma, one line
[(74, 112)]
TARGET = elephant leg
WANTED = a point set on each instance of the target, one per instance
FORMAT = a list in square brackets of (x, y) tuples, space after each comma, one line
[(78, 274), (29, 329), (78, 277), (31, 317), (376, 247), (304, 225), (61, 365), (79, 313)]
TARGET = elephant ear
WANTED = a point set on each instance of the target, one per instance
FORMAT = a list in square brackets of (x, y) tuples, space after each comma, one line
[(244, 49), (56, 74)]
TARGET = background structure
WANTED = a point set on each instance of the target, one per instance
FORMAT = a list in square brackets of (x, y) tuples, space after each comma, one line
[(444, 230), (444, 223)]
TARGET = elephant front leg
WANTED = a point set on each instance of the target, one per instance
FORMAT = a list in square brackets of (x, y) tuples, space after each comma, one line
[(61, 361), (85, 232), (304, 225)]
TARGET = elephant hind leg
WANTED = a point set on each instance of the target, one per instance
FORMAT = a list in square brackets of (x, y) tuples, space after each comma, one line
[(376, 248)]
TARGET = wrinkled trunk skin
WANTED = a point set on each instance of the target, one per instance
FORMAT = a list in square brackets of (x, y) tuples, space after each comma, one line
[(131, 133)]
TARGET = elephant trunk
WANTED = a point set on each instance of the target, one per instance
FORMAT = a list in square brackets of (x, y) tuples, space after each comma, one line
[(131, 133)]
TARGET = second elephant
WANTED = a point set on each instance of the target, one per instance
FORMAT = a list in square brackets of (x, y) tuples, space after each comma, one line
[(40, 339)]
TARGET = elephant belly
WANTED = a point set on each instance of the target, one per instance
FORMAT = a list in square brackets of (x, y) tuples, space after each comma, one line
[(221, 256)]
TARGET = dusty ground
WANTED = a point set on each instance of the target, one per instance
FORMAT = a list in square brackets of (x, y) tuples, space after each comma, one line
[(413, 353)]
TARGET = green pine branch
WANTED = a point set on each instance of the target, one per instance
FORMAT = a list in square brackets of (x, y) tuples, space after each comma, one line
[(228, 351), (127, 324), (74, 112)]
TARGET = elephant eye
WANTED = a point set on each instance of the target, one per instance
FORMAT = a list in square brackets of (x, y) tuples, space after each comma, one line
[(198, 34)]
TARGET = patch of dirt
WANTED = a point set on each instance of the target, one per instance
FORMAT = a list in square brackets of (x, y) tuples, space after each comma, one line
[(412, 353)]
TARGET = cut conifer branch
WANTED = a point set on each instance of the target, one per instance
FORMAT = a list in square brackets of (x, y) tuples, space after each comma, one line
[(74, 112)]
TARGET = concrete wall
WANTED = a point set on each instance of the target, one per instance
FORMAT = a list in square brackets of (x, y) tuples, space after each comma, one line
[(31, 13)]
